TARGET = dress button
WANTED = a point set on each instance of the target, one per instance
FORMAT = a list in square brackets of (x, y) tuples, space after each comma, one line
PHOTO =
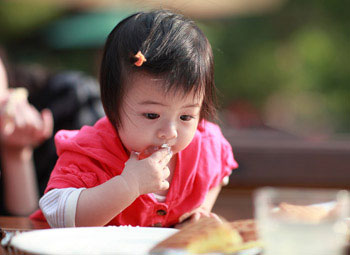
[(161, 212), (158, 225)]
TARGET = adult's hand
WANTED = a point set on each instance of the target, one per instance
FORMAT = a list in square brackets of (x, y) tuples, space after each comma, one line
[(21, 125)]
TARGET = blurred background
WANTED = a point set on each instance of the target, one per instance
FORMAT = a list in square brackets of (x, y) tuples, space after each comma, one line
[(282, 73)]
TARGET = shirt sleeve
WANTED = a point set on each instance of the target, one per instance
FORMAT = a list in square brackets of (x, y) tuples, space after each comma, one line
[(59, 206), (220, 157)]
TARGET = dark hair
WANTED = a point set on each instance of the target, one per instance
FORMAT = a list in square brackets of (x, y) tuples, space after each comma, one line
[(175, 49)]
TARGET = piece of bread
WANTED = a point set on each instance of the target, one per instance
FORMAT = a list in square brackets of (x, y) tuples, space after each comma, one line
[(246, 228), (17, 95), (206, 236)]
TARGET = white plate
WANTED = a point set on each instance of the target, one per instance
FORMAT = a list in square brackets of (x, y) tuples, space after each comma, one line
[(251, 251), (91, 240)]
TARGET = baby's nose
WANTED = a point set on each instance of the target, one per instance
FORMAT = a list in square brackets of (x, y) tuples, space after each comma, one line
[(167, 132)]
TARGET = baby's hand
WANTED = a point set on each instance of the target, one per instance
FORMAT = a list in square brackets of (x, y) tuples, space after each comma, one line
[(148, 175), (194, 216)]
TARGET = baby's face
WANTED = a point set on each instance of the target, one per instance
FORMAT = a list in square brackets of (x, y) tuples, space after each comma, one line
[(150, 117)]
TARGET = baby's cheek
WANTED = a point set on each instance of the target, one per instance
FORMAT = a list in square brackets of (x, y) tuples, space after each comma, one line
[(181, 146)]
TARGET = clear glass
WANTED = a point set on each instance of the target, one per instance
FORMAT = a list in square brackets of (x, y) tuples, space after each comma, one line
[(294, 221)]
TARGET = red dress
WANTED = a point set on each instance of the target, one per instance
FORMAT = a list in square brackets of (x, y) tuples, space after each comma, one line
[(93, 155)]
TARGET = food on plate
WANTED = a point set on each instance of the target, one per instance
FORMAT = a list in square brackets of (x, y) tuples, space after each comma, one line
[(311, 213), (210, 235), (247, 229)]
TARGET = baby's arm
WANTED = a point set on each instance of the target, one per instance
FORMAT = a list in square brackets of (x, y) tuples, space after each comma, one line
[(204, 210), (210, 199), (98, 205), (212, 195)]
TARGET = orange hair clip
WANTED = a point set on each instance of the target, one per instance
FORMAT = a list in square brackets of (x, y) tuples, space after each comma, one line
[(140, 59)]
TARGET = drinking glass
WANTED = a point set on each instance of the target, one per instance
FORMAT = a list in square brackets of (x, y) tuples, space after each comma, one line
[(292, 221)]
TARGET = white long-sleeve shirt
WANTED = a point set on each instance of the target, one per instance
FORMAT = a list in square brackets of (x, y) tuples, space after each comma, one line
[(59, 206)]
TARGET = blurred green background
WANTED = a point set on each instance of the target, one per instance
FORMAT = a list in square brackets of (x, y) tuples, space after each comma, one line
[(285, 68)]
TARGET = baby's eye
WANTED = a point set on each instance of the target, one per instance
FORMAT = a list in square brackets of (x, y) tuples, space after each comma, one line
[(151, 116), (186, 117)]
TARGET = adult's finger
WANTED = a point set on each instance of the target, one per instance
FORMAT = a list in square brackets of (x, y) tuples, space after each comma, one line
[(47, 120), (32, 117), (37, 118), (19, 115), (44, 131), (7, 127)]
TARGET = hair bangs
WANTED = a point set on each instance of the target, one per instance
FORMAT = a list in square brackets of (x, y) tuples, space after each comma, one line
[(174, 50)]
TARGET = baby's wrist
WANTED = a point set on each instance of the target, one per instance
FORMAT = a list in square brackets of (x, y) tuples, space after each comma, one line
[(131, 184)]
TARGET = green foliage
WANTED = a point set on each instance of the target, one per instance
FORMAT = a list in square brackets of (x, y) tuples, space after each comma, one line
[(302, 49), (21, 17), (290, 64)]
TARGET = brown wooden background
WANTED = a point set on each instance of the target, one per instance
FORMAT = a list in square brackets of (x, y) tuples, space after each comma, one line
[(272, 158)]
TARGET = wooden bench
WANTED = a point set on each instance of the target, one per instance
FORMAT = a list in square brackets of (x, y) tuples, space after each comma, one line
[(270, 158)]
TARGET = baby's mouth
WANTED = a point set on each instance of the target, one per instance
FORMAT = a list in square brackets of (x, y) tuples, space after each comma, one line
[(153, 148), (164, 145)]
